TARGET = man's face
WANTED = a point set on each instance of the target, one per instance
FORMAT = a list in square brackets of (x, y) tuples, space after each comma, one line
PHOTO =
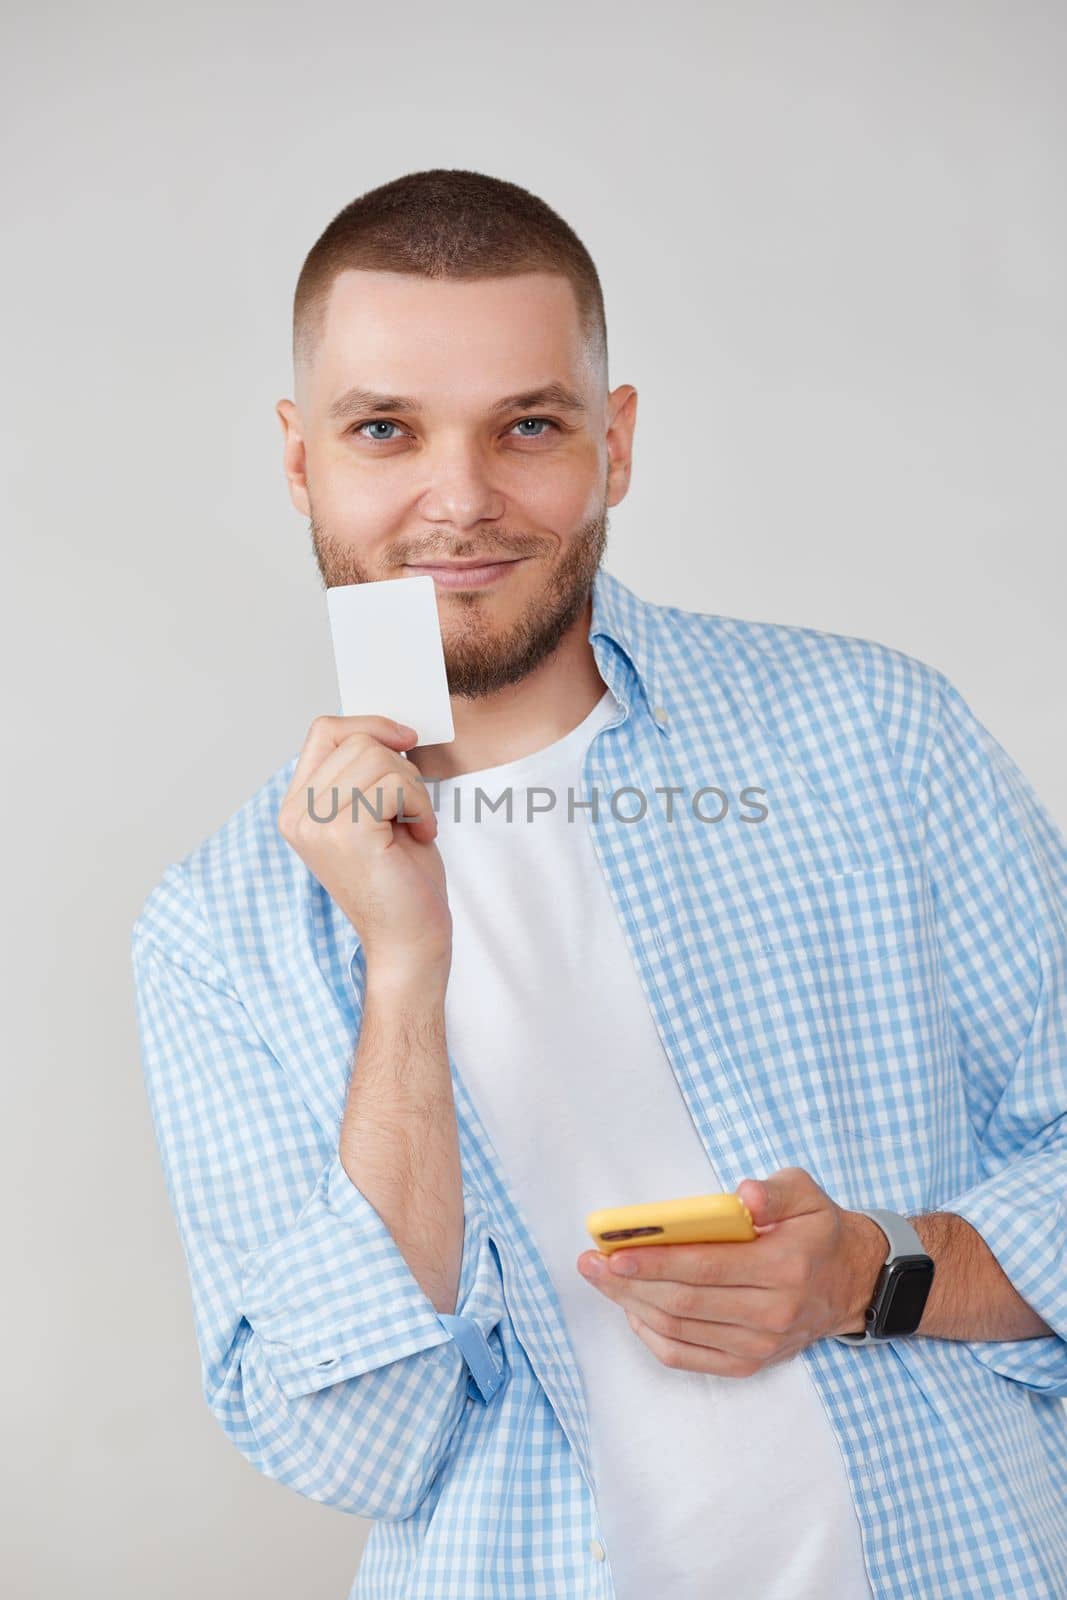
[(438, 468)]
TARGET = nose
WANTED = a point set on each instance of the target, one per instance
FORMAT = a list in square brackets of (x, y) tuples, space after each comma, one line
[(460, 490)]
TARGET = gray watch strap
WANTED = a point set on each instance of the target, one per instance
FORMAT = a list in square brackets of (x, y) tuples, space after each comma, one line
[(903, 1241)]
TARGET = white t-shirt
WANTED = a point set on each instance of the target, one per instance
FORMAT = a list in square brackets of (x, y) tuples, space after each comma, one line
[(584, 1111)]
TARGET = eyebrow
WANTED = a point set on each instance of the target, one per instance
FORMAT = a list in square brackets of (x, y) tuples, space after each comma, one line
[(357, 400)]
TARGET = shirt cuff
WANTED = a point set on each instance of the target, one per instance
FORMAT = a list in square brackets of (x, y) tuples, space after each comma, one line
[(479, 1307), (334, 1296), (1022, 1217)]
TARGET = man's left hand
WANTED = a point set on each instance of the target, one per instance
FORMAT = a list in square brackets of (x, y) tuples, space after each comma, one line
[(734, 1308)]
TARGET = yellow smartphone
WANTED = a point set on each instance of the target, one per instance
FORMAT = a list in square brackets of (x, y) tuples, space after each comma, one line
[(692, 1219)]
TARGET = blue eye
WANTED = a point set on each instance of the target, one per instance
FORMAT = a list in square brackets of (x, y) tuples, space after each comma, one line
[(376, 424), (546, 421)]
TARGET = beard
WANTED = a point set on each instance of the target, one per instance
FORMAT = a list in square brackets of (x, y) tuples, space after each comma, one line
[(479, 659)]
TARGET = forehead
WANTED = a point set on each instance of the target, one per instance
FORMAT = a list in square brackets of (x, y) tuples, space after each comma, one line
[(442, 337)]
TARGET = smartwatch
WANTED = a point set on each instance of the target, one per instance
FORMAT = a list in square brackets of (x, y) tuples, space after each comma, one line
[(903, 1284)]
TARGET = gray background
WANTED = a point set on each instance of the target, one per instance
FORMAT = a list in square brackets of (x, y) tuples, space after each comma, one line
[(832, 241)]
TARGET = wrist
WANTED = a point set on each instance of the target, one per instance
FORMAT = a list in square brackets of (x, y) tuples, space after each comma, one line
[(415, 988), (866, 1253)]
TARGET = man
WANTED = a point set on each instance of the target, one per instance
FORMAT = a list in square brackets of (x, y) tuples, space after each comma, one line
[(810, 947)]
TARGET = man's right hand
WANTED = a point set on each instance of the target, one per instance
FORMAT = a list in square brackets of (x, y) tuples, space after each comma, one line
[(386, 876)]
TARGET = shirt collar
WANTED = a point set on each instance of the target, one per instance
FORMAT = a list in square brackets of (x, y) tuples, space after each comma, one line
[(629, 623)]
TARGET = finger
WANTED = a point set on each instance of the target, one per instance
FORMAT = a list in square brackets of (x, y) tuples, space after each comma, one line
[(336, 772), (326, 733), (738, 1339), (748, 1308), (734, 1263), (692, 1357), (373, 790), (360, 741), (789, 1193), (362, 750)]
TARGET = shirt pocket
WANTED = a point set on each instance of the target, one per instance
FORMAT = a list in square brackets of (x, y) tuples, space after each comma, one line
[(841, 1018)]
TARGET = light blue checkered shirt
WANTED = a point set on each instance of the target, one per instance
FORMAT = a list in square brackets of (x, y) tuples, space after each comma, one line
[(870, 984)]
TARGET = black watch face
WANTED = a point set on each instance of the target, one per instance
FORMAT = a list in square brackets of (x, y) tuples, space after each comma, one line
[(907, 1298)]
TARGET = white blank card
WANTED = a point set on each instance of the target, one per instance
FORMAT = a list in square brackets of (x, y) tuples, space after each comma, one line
[(390, 655)]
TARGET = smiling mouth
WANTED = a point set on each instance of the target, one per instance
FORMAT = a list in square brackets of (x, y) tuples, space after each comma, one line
[(465, 574), (463, 566)]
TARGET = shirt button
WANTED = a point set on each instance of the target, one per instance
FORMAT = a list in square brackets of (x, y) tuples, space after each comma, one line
[(660, 713), (596, 1549)]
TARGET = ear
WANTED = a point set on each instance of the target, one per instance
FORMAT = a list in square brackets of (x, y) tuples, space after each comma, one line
[(295, 457), (622, 415)]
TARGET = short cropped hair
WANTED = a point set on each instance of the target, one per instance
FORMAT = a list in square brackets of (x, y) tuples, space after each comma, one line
[(447, 223)]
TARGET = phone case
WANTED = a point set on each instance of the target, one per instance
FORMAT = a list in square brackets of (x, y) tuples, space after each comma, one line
[(693, 1219)]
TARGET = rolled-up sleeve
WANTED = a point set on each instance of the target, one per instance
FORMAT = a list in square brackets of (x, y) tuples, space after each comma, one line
[(333, 1297), (998, 874), (322, 1357)]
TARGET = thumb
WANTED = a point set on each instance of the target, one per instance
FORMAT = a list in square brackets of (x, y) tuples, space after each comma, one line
[(785, 1194)]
